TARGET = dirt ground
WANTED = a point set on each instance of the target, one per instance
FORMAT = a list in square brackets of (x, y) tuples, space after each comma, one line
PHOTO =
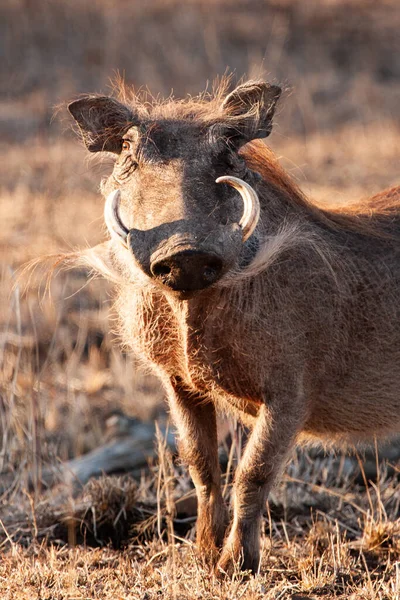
[(326, 533)]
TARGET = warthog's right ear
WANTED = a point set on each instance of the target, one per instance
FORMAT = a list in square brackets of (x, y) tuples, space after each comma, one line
[(102, 122)]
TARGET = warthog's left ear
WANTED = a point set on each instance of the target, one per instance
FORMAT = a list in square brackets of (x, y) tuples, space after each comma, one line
[(250, 108), (102, 122)]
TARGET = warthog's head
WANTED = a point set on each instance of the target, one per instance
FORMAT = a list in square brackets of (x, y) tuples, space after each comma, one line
[(180, 197)]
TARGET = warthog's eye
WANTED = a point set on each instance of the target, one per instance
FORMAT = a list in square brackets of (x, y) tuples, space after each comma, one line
[(125, 164)]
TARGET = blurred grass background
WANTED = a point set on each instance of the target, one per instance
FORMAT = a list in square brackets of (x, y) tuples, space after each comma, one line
[(341, 57), (337, 131)]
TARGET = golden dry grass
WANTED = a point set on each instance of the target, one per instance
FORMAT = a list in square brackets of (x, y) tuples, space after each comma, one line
[(61, 369), (325, 539)]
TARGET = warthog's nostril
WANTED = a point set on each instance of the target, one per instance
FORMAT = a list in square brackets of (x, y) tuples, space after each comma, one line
[(161, 270)]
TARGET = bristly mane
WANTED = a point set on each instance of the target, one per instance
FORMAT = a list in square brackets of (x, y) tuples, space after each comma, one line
[(377, 216), (204, 108)]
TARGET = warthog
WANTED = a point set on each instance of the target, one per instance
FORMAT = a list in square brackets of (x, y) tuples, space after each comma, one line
[(242, 295)]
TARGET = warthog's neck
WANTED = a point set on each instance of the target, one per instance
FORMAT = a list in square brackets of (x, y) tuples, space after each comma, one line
[(202, 341)]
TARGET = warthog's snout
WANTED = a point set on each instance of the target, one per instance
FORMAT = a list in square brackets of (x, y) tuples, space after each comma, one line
[(187, 255), (189, 270)]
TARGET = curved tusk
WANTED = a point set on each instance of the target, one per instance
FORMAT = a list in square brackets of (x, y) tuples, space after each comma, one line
[(251, 211), (115, 226)]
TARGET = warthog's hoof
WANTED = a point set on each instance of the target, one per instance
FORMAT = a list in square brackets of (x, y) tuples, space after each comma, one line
[(233, 561)]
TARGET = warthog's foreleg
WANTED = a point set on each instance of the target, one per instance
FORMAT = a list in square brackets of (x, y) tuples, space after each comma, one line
[(263, 459), (198, 445)]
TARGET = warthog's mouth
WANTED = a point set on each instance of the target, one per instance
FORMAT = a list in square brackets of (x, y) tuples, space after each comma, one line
[(186, 256)]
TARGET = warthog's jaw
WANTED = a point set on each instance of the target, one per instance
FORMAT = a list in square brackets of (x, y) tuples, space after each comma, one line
[(186, 256)]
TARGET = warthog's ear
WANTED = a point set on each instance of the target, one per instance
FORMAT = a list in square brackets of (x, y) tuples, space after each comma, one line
[(102, 122), (250, 108)]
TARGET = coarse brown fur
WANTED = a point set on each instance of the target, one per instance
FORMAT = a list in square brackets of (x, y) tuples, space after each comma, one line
[(300, 337)]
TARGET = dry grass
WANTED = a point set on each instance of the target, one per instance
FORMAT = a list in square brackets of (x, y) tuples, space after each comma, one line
[(323, 537), (61, 371)]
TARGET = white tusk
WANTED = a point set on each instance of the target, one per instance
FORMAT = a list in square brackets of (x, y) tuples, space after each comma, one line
[(115, 226), (251, 211)]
